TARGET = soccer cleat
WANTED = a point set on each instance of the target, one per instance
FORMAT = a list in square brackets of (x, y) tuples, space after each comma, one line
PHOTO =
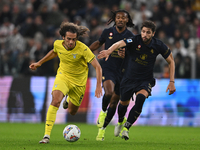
[(101, 119), (45, 139), (65, 103), (100, 136), (124, 133), (119, 126)]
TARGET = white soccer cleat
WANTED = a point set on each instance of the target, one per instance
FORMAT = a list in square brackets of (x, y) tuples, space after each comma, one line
[(124, 134), (65, 103), (45, 139), (119, 126)]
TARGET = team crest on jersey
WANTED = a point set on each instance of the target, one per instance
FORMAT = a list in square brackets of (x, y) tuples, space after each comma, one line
[(74, 55), (143, 56), (152, 51), (138, 49), (110, 35)]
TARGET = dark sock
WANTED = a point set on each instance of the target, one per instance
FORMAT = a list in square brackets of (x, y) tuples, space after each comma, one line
[(105, 102), (135, 110), (110, 114), (121, 112)]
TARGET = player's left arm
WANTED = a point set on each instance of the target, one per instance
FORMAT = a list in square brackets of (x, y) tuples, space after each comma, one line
[(171, 86), (96, 65), (106, 53)]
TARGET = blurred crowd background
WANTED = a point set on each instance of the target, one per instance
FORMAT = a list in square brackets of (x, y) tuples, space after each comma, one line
[(28, 29)]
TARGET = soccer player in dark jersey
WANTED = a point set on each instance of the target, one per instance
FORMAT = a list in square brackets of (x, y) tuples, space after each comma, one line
[(112, 67), (140, 57)]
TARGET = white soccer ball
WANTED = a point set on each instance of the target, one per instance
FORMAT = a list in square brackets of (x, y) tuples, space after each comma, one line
[(71, 133)]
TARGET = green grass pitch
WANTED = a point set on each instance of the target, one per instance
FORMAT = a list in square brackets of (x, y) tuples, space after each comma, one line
[(26, 136)]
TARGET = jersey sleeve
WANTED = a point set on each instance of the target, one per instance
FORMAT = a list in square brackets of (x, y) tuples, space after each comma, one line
[(164, 50), (129, 41), (55, 47), (102, 38), (88, 55)]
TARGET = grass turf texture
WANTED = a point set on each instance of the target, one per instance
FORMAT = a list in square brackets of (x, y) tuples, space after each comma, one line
[(20, 136)]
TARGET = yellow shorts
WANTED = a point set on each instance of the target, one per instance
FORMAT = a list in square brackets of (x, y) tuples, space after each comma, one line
[(75, 93)]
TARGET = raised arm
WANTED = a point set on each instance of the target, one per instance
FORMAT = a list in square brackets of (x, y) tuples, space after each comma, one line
[(50, 55), (95, 45), (96, 65), (106, 53), (171, 86)]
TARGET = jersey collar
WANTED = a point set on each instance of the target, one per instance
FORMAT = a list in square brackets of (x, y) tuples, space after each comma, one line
[(116, 32), (66, 48)]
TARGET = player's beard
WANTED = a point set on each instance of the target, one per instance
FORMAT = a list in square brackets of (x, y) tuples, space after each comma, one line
[(147, 41), (120, 27)]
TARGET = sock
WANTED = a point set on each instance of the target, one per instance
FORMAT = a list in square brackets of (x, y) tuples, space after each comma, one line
[(105, 102), (50, 119), (135, 110), (121, 112), (109, 116)]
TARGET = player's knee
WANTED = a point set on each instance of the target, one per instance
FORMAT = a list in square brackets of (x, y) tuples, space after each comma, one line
[(72, 112), (113, 104), (125, 103), (55, 103), (109, 93)]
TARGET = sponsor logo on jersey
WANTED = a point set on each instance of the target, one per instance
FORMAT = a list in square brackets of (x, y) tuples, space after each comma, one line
[(152, 51)]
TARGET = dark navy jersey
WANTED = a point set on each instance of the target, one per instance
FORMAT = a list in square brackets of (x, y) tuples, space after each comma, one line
[(140, 58), (109, 37)]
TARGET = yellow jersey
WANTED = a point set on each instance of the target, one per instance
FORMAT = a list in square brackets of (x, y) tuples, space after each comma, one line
[(74, 63)]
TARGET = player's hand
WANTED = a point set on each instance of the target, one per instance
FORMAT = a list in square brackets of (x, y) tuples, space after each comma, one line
[(171, 88), (34, 66), (103, 54), (121, 52), (98, 92)]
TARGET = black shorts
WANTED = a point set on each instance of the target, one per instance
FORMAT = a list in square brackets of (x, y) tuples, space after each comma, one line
[(129, 87), (114, 77)]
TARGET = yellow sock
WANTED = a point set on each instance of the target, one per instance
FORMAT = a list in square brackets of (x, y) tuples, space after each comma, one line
[(50, 119)]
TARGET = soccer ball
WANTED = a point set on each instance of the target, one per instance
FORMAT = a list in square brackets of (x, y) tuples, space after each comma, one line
[(71, 133)]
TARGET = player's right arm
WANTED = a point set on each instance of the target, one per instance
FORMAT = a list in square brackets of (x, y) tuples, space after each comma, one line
[(96, 65), (106, 53), (50, 55), (95, 45)]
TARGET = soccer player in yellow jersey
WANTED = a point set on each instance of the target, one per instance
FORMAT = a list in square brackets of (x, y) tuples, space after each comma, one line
[(72, 72)]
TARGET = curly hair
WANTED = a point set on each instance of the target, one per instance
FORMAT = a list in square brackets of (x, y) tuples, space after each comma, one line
[(128, 24), (73, 28)]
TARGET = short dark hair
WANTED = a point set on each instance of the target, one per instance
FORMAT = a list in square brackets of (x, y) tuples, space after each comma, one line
[(149, 24), (73, 28), (128, 24)]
